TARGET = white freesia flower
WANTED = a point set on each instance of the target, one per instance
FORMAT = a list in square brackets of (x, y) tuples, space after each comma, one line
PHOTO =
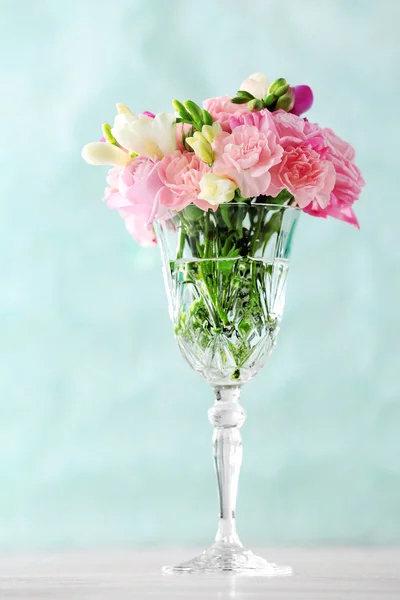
[(201, 147), (257, 85), (201, 142), (210, 131), (123, 109), (102, 153), (216, 190), (144, 135)]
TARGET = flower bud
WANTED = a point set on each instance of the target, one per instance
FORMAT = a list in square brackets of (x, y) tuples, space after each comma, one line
[(124, 110), (278, 83), (201, 147), (280, 91), (244, 94), (207, 118), (286, 102), (270, 100), (239, 100), (216, 190), (255, 104), (108, 135), (99, 153), (194, 110), (256, 85), (181, 110), (303, 99), (210, 131)]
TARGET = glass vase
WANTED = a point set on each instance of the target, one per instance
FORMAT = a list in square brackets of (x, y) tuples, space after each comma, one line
[(225, 275)]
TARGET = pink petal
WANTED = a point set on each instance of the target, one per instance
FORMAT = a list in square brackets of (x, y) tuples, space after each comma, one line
[(303, 99)]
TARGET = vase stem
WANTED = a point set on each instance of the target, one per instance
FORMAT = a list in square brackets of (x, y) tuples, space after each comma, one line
[(227, 416)]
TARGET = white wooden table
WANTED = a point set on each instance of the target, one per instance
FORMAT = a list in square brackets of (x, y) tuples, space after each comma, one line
[(326, 574)]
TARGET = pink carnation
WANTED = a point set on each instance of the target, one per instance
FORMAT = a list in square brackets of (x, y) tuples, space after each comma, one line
[(181, 173), (294, 133), (222, 109), (348, 184), (138, 194), (304, 174), (262, 119), (340, 146), (246, 156), (292, 129)]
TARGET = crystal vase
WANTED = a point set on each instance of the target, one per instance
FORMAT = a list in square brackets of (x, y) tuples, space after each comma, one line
[(225, 275)]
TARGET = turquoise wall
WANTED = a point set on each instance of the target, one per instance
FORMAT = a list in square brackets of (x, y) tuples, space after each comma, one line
[(104, 435)]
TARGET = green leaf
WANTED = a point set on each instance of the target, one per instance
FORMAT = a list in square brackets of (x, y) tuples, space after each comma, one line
[(234, 253), (229, 245), (281, 198), (224, 211), (193, 213)]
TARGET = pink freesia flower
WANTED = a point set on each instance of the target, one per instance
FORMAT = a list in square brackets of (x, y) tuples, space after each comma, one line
[(304, 174), (303, 100), (222, 109), (149, 114), (138, 194), (181, 173), (246, 156)]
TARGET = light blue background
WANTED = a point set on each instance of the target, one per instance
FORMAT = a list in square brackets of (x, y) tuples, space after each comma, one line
[(103, 428)]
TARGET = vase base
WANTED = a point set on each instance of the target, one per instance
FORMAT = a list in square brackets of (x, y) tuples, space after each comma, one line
[(229, 558)]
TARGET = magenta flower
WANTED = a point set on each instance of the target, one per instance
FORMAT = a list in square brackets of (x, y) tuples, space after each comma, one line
[(303, 99)]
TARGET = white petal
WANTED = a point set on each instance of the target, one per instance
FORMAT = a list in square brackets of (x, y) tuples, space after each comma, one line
[(257, 84), (164, 127), (130, 132), (102, 153), (124, 110)]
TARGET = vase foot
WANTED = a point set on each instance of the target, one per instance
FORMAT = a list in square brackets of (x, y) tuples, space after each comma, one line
[(229, 558)]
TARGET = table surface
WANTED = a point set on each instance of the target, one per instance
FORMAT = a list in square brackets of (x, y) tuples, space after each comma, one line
[(326, 573)]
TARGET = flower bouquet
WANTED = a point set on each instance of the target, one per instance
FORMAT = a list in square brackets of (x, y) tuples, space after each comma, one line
[(221, 188)]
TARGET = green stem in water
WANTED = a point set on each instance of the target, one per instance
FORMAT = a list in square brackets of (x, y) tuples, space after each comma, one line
[(182, 237), (256, 243)]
